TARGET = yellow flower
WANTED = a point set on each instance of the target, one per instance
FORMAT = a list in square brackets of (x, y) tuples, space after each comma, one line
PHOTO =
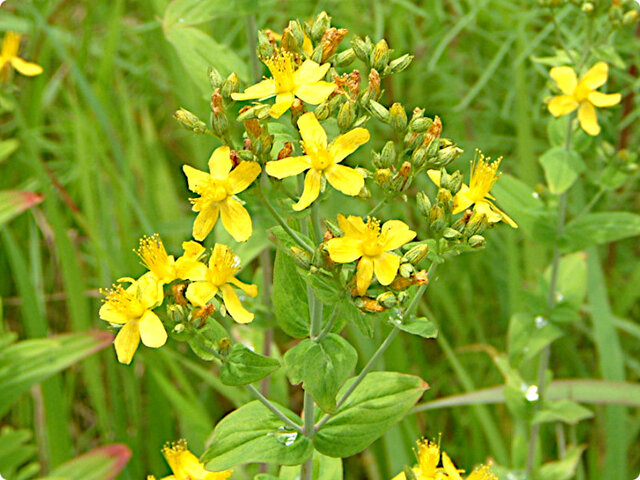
[(322, 159), (428, 458), (186, 466), (132, 308), (9, 55), (483, 176), (290, 81), (372, 245), (165, 268), (216, 190), (220, 276), (581, 94)]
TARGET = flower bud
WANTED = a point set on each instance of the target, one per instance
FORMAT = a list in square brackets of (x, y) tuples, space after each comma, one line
[(330, 41), (420, 124), (413, 140), (383, 177), (399, 64), (447, 152), (323, 110), (321, 23), (266, 143), (265, 45), (230, 86), (398, 117), (286, 150), (477, 241), (424, 204), (257, 112), (289, 41), (344, 59), (451, 234), (416, 254), (346, 116), (446, 200), (246, 155), (387, 299), (219, 120), (454, 182), (296, 31), (215, 79), (388, 154), (380, 55), (436, 218), (224, 346), (378, 111), (477, 225), (587, 7), (361, 48), (301, 257), (406, 270), (190, 121), (316, 56), (297, 109), (420, 156), (630, 18)]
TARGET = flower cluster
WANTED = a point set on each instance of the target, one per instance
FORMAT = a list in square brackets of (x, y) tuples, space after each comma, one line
[(186, 466)]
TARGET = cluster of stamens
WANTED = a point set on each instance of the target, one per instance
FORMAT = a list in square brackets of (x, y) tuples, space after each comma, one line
[(484, 174)]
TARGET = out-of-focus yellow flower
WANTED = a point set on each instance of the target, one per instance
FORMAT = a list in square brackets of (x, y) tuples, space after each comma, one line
[(372, 245), (165, 268), (132, 308), (216, 190), (322, 159), (290, 81), (581, 94), (219, 277), (186, 466), (484, 175), (9, 55)]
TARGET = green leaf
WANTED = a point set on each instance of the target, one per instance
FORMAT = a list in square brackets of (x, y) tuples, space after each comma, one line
[(28, 362), (561, 168), (596, 228), (529, 335), (204, 341), (252, 433), (7, 147), (566, 411), (198, 51), (324, 468), (17, 451), (290, 302), (571, 284), (14, 202), (244, 366), (324, 287), (378, 403), (103, 463), (192, 12), (322, 367), (420, 326), (562, 469), (348, 312)]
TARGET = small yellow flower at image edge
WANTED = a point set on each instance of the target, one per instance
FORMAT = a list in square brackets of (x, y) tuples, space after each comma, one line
[(582, 95), (217, 189), (186, 466), (484, 174), (322, 159), (290, 80), (372, 244), (220, 277), (133, 309), (9, 55)]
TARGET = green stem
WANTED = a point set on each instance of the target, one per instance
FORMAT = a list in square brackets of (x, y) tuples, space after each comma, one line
[(327, 327), (380, 204), (277, 412)]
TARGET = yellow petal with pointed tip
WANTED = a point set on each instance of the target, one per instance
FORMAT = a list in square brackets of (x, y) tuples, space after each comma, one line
[(435, 176), (386, 267), (462, 200), (346, 144), (243, 175), (200, 293), (233, 305), (315, 93), (26, 68), (196, 179), (351, 225), (364, 274), (345, 179), (395, 234), (261, 90), (588, 119), (283, 103), (565, 78), (288, 167), (310, 192), (250, 289), (205, 221), (449, 468), (596, 76), (344, 249), (603, 100), (127, 341), (220, 163), (236, 220), (112, 315), (562, 105), (312, 133), (152, 331), (310, 72)]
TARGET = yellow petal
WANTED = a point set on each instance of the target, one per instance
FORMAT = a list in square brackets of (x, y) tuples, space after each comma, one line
[(152, 331), (243, 175), (288, 167), (189, 269), (205, 221), (449, 468), (386, 267), (561, 105), (233, 305), (283, 103), (127, 341), (493, 213), (565, 78), (395, 234), (400, 476), (346, 179), (236, 220), (588, 119), (10, 45), (600, 99), (364, 274), (220, 163), (352, 225), (596, 76), (315, 93), (26, 68), (310, 72), (346, 144), (310, 192), (200, 293), (149, 290), (435, 176), (344, 249), (249, 289), (261, 90), (312, 133), (196, 179), (192, 250), (462, 200), (112, 315)]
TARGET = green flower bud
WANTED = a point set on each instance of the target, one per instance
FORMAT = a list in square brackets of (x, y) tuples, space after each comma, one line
[(451, 234), (380, 55), (321, 23), (383, 178), (477, 225), (289, 41), (255, 112), (346, 58), (388, 154), (420, 124), (446, 200), (265, 47), (190, 121), (387, 299), (448, 153), (296, 30), (247, 155), (399, 64), (477, 241), (379, 111), (301, 257), (436, 218), (316, 56), (587, 7), (630, 18), (230, 86), (323, 110), (419, 156), (413, 140), (416, 254), (224, 346), (398, 117), (406, 270), (454, 182), (346, 116), (424, 204), (215, 79), (361, 48)]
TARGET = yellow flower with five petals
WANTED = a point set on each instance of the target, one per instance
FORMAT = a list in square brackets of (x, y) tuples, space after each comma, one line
[(133, 309), (9, 56), (582, 94), (322, 159), (220, 277), (484, 174), (164, 267), (216, 190), (290, 81), (186, 466), (372, 244)]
